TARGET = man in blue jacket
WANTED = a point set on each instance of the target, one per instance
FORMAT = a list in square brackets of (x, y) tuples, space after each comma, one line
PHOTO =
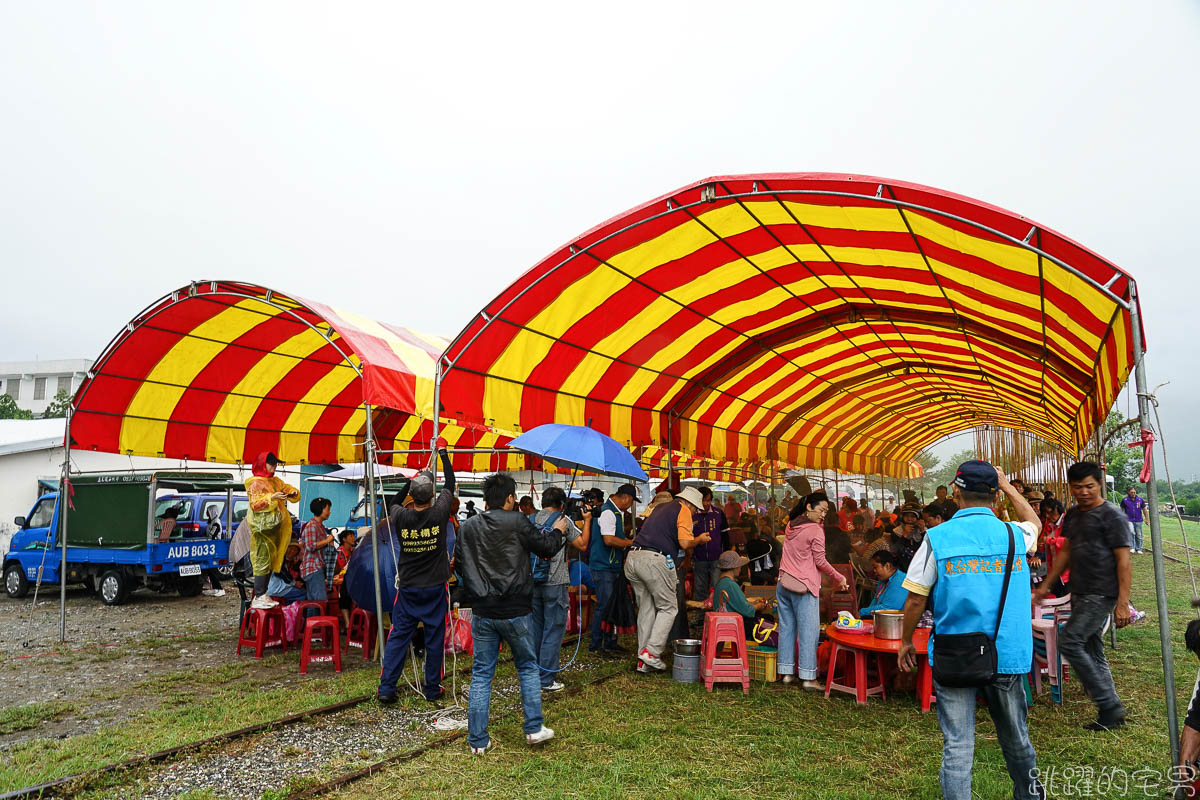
[(961, 565)]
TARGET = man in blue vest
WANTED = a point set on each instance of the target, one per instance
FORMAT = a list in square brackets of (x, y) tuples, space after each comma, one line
[(961, 565), (606, 560)]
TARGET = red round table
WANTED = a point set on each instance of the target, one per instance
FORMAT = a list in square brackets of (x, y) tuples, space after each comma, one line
[(862, 646)]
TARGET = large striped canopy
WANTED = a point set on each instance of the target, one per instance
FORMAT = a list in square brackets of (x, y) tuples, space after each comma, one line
[(823, 320), (221, 371)]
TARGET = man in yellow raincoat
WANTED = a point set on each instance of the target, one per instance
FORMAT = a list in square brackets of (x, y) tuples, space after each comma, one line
[(270, 524)]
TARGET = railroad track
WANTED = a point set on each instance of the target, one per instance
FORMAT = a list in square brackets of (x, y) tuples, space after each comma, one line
[(80, 780), (416, 752)]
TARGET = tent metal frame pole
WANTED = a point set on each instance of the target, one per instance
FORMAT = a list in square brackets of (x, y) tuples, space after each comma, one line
[(1160, 578), (373, 519), (64, 503)]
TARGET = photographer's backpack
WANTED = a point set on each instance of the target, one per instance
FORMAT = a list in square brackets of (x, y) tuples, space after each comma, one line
[(541, 566)]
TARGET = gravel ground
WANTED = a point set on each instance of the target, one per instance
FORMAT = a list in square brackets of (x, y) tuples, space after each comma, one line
[(322, 748), (105, 644)]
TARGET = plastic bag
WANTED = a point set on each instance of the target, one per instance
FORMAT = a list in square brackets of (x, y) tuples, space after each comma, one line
[(265, 521), (458, 631)]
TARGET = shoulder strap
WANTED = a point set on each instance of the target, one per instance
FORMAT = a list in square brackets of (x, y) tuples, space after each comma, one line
[(548, 525), (1012, 546)]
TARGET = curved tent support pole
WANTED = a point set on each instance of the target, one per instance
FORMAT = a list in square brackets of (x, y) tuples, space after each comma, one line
[(373, 520), (1160, 578), (64, 502)]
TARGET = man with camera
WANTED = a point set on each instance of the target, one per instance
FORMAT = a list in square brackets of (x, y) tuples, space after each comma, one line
[(973, 567)]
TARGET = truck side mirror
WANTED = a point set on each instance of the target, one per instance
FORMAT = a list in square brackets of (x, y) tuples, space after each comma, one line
[(19, 522)]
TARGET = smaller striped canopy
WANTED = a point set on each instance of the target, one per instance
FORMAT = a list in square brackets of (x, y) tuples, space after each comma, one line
[(824, 320), (220, 371)]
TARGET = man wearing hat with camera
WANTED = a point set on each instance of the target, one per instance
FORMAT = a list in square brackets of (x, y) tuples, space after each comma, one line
[(973, 567), (650, 569)]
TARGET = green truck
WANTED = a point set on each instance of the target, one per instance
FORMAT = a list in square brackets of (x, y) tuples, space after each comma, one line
[(114, 534)]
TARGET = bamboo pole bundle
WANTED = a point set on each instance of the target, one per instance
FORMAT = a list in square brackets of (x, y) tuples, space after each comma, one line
[(1039, 463)]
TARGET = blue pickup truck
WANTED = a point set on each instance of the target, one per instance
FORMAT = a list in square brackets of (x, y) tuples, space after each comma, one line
[(116, 541)]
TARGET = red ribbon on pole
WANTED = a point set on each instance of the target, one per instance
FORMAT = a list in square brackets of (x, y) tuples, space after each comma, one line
[(1147, 445)]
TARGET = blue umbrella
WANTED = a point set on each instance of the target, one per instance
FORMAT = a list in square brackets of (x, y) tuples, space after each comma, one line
[(579, 447)]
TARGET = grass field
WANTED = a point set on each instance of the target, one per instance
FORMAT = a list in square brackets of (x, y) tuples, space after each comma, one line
[(637, 735)]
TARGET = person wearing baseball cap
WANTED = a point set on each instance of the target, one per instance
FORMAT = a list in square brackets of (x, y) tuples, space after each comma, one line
[(606, 561), (420, 541), (964, 565), (650, 569)]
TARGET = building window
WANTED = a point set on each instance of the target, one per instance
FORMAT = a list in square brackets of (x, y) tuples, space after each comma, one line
[(14, 388), (39, 388), (64, 384)]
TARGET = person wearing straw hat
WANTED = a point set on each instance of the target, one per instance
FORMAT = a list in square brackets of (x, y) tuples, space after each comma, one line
[(650, 569), (728, 595)]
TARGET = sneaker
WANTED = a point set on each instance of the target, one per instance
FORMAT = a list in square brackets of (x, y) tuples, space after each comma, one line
[(616, 648), (788, 680), (642, 668), (386, 698), (264, 603), (213, 593), (557, 686), (812, 686), (541, 737), (651, 660), (481, 751)]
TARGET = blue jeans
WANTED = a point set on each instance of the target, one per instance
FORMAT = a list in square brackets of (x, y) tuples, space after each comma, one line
[(315, 586), (416, 605), (956, 716), (488, 633), (547, 624), (799, 624), (1136, 530), (604, 582), (1081, 641)]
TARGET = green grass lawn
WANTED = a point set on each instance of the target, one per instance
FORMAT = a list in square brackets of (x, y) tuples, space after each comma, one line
[(637, 735)]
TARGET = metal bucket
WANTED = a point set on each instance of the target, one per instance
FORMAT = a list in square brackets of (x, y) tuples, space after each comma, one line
[(889, 623), (687, 647), (686, 669)]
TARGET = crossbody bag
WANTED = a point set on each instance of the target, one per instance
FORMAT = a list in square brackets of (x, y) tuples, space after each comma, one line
[(970, 659)]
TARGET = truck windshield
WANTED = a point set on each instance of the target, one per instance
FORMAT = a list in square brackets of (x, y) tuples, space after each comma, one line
[(42, 515), (240, 507)]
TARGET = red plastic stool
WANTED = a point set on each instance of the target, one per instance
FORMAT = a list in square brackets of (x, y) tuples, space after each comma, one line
[(589, 603), (860, 686), (361, 633), (725, 627), (262, 628), (325, 631), (316, 606)]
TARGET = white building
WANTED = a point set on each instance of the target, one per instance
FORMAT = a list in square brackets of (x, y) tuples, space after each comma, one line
[(34, 384)]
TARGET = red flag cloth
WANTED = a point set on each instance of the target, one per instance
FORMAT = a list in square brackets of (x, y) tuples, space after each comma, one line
[(1147, 445), (70, 495)]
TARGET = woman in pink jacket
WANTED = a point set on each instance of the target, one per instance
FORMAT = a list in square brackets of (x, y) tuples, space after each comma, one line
[(799, 590)]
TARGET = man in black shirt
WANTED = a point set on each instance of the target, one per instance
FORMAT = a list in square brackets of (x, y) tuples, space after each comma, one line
[(422, 571), (1097, 553)]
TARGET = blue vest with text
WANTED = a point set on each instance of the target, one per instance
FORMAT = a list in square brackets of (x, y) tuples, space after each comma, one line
[(601, 557), (970, 550)]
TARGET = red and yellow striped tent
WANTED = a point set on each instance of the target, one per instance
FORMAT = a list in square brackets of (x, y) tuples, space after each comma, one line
[(824, 320), (220, 371)]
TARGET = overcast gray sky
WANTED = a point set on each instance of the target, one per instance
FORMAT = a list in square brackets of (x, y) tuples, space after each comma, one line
[(407, 161)]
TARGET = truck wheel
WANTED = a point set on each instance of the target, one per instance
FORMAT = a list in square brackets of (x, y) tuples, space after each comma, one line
[(16, 585), (113, 588), (189, 586)]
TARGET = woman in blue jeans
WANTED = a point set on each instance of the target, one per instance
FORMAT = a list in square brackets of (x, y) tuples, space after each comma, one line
[(799, 590)]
